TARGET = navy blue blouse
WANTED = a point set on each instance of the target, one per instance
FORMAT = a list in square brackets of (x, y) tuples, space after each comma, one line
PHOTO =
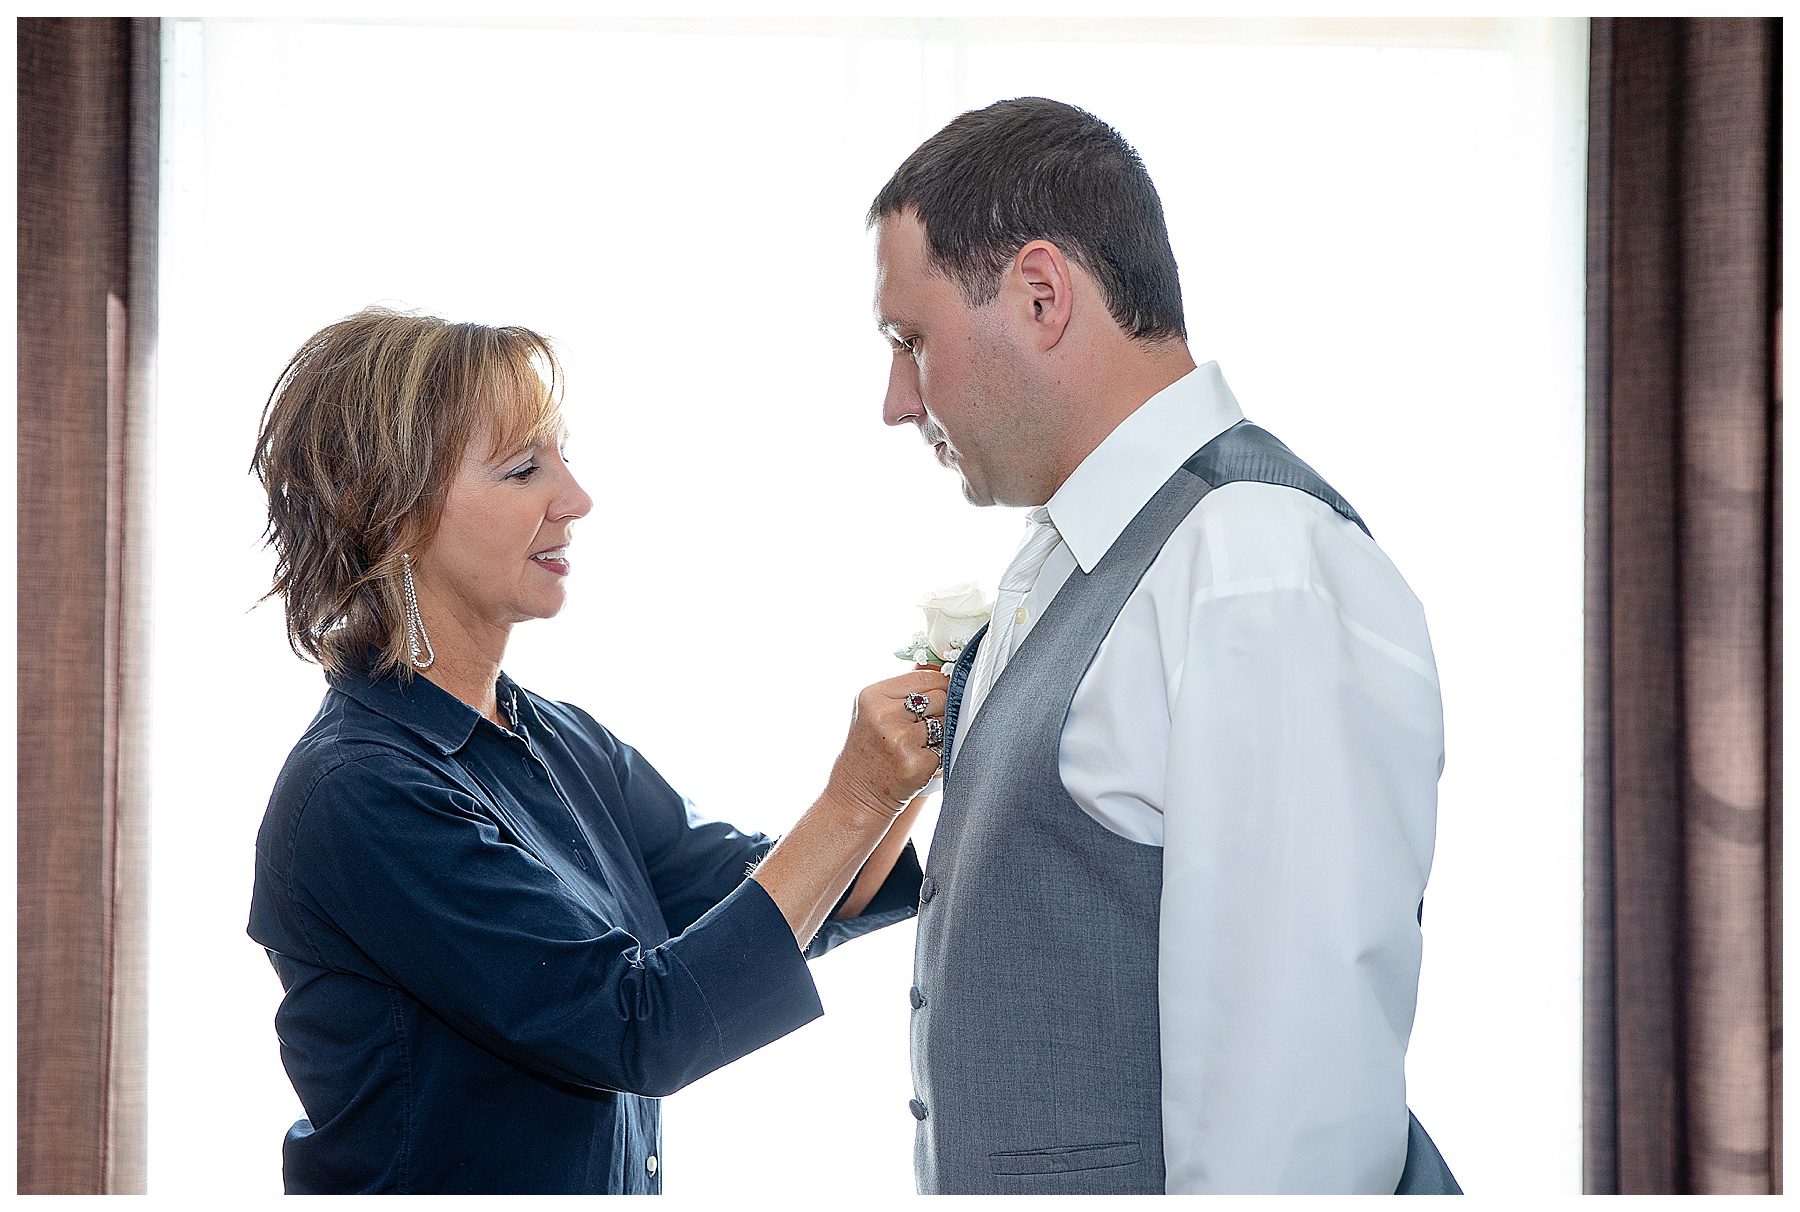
[(500, 947)]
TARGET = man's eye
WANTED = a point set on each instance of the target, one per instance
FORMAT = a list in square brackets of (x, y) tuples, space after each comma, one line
[(912, 345)]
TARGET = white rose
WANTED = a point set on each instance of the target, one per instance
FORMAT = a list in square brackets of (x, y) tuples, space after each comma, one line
[(952, 617)]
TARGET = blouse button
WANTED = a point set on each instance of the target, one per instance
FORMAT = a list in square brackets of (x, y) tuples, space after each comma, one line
[(650, 1164)]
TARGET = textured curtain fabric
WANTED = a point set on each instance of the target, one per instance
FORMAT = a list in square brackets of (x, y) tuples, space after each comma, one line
[(1683, 881), (88, 108)]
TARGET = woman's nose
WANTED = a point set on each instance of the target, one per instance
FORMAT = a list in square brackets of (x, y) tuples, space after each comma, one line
[(573, 501)]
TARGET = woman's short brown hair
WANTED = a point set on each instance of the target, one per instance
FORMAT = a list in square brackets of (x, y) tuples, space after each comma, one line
[(359, 439)]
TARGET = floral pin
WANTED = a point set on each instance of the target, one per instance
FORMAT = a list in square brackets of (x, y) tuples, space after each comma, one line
[(952, 617)]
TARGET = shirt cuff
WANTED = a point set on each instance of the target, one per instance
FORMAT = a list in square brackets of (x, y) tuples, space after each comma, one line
[(754, 980), (896, 900)]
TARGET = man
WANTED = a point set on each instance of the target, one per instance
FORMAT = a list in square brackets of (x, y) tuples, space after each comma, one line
[(1168, 935)]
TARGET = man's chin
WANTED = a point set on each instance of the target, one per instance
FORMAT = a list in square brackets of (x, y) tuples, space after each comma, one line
[(974, 494)]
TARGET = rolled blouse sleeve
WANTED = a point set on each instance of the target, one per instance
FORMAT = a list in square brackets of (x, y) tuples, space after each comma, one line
[(693, 862), (403, 877)]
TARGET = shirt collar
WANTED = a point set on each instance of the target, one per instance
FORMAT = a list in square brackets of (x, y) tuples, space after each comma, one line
[(422, 707), (1117, 479), (521, 705)]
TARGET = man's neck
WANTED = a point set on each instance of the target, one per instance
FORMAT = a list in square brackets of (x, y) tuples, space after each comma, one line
[(1112, 387)]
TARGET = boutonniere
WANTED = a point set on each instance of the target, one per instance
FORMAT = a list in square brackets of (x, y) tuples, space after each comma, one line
[(952, 617)]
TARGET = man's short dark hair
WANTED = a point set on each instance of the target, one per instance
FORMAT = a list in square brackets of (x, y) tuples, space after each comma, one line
[(995, 179)]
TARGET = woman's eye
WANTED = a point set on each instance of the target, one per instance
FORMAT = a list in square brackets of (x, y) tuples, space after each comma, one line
[(522, 474)]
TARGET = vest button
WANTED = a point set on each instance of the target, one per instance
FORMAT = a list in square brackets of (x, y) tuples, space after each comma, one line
[(916, 1107), (927, 890), (915, 997)]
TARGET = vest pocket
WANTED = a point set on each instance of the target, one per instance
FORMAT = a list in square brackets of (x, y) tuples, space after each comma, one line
[(1065, 1159)]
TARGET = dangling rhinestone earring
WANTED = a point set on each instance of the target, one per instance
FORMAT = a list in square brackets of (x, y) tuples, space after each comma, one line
[(416, 639)]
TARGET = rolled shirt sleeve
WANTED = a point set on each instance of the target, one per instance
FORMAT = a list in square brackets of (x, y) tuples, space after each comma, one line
[(491, 940)]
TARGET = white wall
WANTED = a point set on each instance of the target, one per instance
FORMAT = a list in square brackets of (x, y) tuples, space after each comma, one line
[(1380, 245)]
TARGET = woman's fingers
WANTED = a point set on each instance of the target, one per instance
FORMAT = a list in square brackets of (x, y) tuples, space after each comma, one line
[(928, 685), (922, 696), (887, 749), (927, 705)]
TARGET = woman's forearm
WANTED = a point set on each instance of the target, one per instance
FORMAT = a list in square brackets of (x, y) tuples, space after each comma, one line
[(815, 861), (875, 780), (881, 862)]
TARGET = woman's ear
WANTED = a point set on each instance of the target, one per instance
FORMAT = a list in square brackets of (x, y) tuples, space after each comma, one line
[(411, 538), (1041, 273)]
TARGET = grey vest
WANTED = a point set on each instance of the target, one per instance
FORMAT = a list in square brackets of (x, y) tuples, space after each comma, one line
[(1035, 1048)]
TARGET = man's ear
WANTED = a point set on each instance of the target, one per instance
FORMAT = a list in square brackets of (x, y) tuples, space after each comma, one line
[(1042, 273)]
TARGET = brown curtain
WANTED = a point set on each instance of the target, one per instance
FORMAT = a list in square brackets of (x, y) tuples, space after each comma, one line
[(1682, 1048), (88, 106)]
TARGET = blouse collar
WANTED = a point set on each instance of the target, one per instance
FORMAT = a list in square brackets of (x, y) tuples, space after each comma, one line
[(426, 709)]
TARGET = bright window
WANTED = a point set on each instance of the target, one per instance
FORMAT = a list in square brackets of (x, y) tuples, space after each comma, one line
[(1379, 230)]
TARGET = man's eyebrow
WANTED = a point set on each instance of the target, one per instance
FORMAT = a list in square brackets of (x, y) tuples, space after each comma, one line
[(888, 327)]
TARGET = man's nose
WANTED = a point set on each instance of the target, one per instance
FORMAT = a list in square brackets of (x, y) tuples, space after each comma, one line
[(902, 403)]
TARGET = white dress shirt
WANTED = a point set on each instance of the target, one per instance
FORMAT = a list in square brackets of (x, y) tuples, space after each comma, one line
[(1265, 709)]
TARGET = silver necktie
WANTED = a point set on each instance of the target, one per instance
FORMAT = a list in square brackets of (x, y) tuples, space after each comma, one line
[(1009, 612)]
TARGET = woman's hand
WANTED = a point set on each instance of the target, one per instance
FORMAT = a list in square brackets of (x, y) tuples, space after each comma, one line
[(885, 760), (883, 765)]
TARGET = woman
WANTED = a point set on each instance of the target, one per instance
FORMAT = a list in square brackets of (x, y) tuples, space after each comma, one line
[(502, 936)]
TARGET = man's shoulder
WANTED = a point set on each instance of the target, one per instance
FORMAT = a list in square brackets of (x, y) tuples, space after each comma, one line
[(1249, 537), (1251, 528)]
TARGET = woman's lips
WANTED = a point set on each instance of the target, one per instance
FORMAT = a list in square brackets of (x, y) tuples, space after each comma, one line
[(553, 562)]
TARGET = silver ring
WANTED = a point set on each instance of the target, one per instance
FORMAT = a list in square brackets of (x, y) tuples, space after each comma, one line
[(934, 736), (918, 704)]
